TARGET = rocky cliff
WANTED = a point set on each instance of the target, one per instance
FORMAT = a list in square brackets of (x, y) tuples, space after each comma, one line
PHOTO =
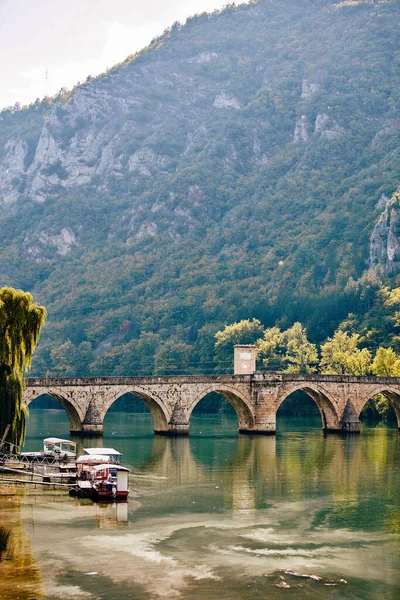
[(385, 238)]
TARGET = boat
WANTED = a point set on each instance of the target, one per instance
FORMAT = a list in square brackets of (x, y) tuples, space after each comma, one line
[(54, 449), (100, 477), (86, 462)]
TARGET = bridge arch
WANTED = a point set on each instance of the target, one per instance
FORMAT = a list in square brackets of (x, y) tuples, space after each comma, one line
[(326, 405), (391, 393), (75, 414), (238, 400), (158, 410)]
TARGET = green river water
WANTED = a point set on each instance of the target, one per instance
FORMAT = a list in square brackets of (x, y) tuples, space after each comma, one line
[(214, 516)]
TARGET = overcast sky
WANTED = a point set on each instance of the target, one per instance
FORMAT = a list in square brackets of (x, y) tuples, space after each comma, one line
[(76, 38)]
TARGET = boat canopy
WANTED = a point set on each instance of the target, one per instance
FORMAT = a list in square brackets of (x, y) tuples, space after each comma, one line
[(54, 440), (103, 467), (99, 451), (93, 459)]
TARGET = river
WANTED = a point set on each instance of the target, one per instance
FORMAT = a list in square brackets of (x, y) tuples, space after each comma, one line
[(215, 516)]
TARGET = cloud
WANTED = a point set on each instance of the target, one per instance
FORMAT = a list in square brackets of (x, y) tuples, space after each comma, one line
[(75, 39)]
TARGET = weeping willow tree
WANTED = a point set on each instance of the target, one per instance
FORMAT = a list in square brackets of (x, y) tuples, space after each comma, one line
[(20, 324)]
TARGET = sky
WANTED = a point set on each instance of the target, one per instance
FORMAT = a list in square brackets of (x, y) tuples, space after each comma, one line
[(71, 39)]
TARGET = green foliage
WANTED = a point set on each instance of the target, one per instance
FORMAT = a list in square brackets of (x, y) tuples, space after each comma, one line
[(341, 354), (288, 350), (301, 355), (172, 357), (69, 360), (386, 363), (377, 321), (136, 357), (271, 349), (20, 324), (379, 408)]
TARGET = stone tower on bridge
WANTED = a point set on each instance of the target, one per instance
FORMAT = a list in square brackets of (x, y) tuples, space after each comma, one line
[(244, 362)]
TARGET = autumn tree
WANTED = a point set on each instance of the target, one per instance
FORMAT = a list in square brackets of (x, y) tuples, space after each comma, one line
[(20, 324), (386, 363), (301, 355), (340, 354), (288, 351), (271, 349)]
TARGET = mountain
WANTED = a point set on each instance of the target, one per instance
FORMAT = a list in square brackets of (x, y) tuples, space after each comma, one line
[(242, 165)]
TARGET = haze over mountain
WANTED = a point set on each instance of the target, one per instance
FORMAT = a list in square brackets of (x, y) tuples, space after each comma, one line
[(240, 166)]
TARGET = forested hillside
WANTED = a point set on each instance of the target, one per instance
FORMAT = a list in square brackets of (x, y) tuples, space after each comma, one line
[(242, 166)]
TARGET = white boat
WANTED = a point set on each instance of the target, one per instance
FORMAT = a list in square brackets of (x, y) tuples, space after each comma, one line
[(98, 477), (53, 449)]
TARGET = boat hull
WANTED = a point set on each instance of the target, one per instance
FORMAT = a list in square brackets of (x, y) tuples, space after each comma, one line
[(98, 495), (109, 496)]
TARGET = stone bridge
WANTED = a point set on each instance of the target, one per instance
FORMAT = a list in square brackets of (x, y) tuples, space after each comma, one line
[(256, 398)]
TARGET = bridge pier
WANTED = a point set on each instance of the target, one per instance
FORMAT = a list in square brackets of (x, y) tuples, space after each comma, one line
[(349, 422), (351, 427), (178, 424), (89, 430), (270, 430), (262, 426), (92, 424), (174, 430)]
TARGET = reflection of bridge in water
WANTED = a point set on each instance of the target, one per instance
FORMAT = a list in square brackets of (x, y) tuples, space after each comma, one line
[(256, 398), (256, 470)]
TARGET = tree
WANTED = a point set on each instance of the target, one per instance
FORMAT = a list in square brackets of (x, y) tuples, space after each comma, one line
[(271, 349), (63, 360), (172, 357), (137, 357), (203, 348), (244, 332), (72, 361), (288, 351), (20, 324), (380, 326), (340, 354), (386, 363), (301, 355)]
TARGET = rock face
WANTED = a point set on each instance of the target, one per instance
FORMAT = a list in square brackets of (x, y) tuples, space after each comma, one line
[(301, 130), (226, 101), (11, 170), (309, 89), (324, 128), (42, 245), (385, 239), (203, 57)]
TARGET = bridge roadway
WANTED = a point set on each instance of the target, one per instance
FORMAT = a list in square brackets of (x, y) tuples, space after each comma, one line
[(256, 398)]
